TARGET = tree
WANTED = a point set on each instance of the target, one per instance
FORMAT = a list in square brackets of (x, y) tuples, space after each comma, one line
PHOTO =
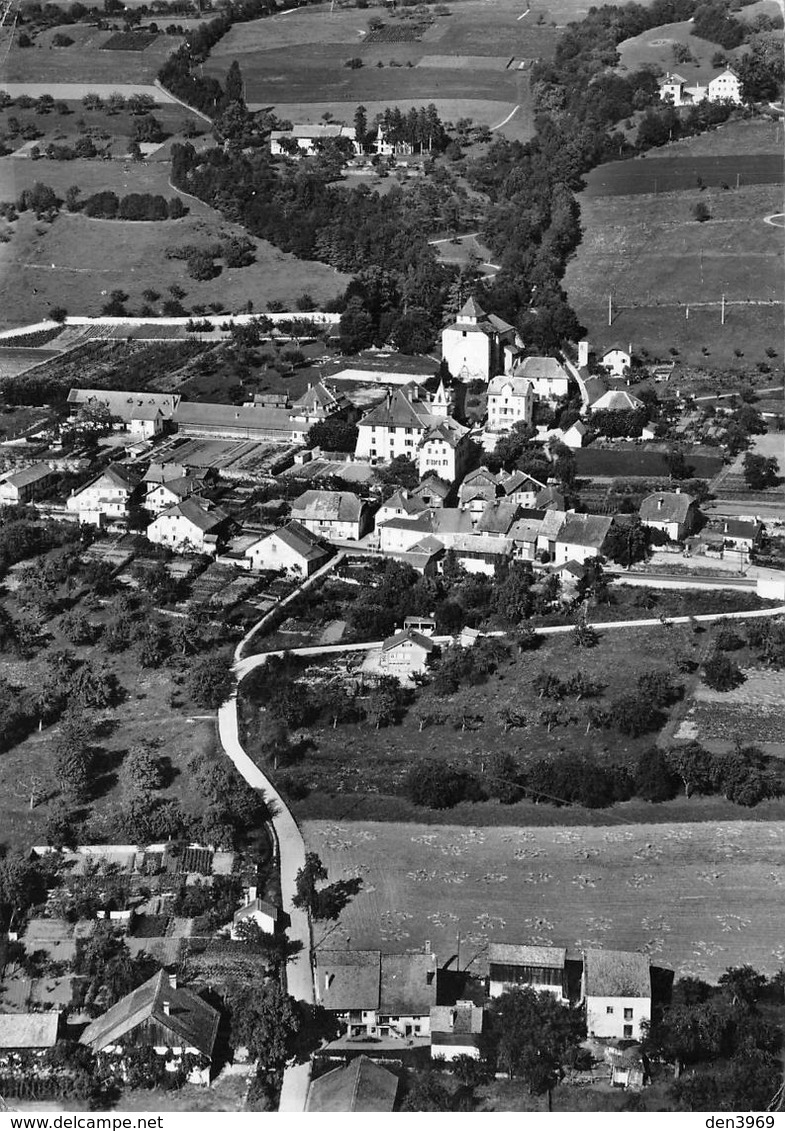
[(210, 681), (93, 687), (654, 778), (440, 785), (312, 873), (356, 330), (743, 984), (427, 1092), (627, 542), (658, 688), (530, 1035), (701, 212), (142, 771), (273, 1026), (234, 85), (634, 717), (399, 472), (360, 126), (760, 472), (332, 435), (74, 756), (720, 672), (694, 765)]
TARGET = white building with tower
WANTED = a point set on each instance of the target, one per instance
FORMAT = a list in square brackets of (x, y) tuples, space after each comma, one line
[(478, 346)]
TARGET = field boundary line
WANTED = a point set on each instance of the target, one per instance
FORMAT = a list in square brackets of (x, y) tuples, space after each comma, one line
[(511, 114)]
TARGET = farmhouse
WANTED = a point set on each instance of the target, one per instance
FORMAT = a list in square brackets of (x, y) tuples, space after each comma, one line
[(26, 485), (406, 653), (338, 515), (378, 995), (723, 87), (672, 512), (194, 525), (547, 376), (580, 536), (520, 488), (293, 548), (456, 1030), (477, 345), (399, 505), (30, 1033), (172, 1020), (146, 422), (304, 140), (170, 493), (123, 405), (541, 968), (510, 399), (361, 1086), (616, 988), (104, 498)]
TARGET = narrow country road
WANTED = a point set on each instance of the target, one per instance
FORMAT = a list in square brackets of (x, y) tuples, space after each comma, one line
[(289, 843)]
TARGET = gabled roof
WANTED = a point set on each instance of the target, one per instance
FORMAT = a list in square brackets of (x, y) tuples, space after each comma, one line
[(146, 412), (464, 1018), (550, 497), (361, 1086), (512, 386), (577, 426), (669, 79), (447, 430), (298, 538), (595, 388), (514, 954), (28, 475), (198, 511), (123, 404), (329, 506), (483, 475), (737, 527), (552, 522), (28, 1030), (451, 520), (572, 567), (541, 368), (260, 905), (616, 973), (192, 1022), (666, 506), (348, 979), (183, 486), (316, 396), (115, 475), (584, 530), (497, 517), (402, 500), (408, 983), (525, 530), (408, 635), (518, 480), (396, 411), (432, 485)]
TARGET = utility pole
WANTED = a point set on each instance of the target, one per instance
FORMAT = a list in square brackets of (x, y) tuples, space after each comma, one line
[(610, 310), (738, 175), (723, 311)]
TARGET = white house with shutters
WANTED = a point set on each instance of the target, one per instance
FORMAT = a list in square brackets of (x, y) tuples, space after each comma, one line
[(616, 988)]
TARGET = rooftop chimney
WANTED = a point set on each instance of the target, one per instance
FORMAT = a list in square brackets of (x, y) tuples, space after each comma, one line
[(659, 504), (166, 1007), (173, 981)]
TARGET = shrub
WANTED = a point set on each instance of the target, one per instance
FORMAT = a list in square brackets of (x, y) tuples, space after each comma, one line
[(721, 674), (440, 785)]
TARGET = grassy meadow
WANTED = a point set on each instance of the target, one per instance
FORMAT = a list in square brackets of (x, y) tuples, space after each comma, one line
[(85, 60)]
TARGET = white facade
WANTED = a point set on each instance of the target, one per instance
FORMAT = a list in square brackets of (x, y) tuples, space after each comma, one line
[(617, 1018), (107, 497), (725, 87), (309, 138), (616, 362), (510, 399), (160, 497), (276, 552), (179, 533)]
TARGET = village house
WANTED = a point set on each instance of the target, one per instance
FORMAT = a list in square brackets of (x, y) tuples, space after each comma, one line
[(673, 512), (523, 535), (478, 346), (387, 996), (570, 576), (432, 491), (105, 498), (540, 968), (401, 504), (26, 485), (520, 488), (306, 139), (255, 910), (456, 1030), (445, 449), (122, 405), (617, 400), (147, 422), (192, 526), (338, 515), (616, 988), (574, 436), (161, 496), (174, 1021), (31, 1034), (580, 536), (293, 549), (406, 653), (478, 488), (383, 147), (616, 360), (361, 1085), (548, 378), (496, 518), (510, 400)]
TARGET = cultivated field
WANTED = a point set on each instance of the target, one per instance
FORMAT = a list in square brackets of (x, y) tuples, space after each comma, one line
[(85, 61), (655, 259), (697, 898), (471, 63), (671, 173), (733, 138), (77, 261)]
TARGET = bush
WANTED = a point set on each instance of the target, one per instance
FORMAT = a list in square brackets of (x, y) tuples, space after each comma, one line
[(440, 785), (720, 673)]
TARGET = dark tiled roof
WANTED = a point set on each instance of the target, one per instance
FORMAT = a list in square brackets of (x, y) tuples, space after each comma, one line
[(585, 530), (665, 506), (361, 1086), (616, 973), (331, 506), (348, 979), (408, 984), (192, 1022), (408, 634)]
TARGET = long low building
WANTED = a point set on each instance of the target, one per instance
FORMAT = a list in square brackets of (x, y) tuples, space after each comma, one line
[(234, 422)]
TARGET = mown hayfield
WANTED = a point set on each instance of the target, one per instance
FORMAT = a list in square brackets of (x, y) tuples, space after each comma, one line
[(655, 47), (656, 259), (666, 173), (731, 139), (77, 261), (85, 60), (697, 898)]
